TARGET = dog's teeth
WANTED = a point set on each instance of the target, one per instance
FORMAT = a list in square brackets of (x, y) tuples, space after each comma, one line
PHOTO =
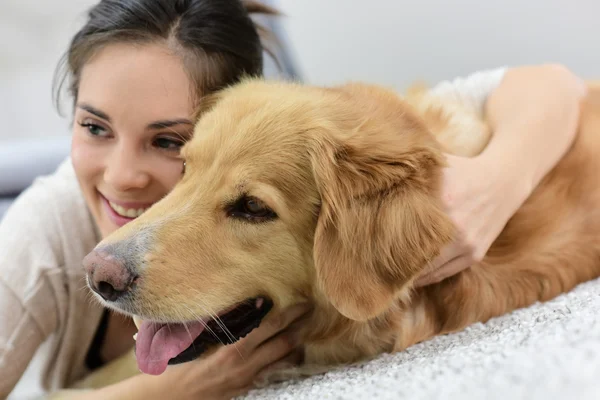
[(135, 336), (259, 302), (137, 321)]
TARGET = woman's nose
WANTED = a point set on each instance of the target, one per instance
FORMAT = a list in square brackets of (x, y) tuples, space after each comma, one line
[(125, 171)]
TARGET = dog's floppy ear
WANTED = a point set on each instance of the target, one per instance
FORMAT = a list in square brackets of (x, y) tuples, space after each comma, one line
[(381, 219)]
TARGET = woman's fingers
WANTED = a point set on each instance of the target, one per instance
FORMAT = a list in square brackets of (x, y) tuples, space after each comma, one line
[(281, 347), (294, 358), (273, 341), (457, 249), (448, 269)]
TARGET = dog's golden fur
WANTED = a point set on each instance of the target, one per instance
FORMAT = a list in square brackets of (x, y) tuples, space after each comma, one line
[(353, 174)]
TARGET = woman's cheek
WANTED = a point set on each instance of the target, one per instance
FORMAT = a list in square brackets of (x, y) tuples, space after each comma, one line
[(79, 152), (87, 159), (166, 170), (174, 176)]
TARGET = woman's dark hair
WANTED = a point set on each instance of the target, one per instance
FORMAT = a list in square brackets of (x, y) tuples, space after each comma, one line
[(216, 39)]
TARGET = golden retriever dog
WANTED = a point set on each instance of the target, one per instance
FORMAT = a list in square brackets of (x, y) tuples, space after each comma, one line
[(293, 193)]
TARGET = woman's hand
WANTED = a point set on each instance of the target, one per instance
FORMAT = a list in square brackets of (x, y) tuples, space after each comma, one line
[(534, 115), (480, 199), (232, 370)]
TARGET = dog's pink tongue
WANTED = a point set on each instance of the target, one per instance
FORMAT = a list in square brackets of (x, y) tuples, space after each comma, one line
[(156, 344)]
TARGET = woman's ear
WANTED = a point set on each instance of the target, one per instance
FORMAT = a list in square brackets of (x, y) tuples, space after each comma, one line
[(381, 217)]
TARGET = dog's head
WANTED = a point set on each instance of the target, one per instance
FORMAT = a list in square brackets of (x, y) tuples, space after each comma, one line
[(289, 193)]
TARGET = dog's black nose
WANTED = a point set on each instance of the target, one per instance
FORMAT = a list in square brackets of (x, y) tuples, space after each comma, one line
[(106, 290), (107, 276)]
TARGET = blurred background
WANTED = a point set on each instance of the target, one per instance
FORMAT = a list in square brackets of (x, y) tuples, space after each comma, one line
[(385, 41), (392, 42)]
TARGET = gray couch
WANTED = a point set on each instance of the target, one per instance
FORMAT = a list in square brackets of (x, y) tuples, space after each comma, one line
[(21, 161)]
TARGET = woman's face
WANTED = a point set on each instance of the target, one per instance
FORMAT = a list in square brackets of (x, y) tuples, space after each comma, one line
[(133, 114)]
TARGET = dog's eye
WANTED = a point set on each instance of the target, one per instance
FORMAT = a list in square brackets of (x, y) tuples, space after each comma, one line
[(251, 209), (254, 206)]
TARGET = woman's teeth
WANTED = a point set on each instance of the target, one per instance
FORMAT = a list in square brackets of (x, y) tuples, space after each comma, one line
[(127, 212)]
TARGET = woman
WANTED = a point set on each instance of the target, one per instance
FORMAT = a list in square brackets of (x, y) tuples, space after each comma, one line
[(137, 69)]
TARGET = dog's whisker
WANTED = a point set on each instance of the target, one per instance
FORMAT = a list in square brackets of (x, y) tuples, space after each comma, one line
[(204, 324), (220, 324), (197, 318), (187, 329), (223, 327)]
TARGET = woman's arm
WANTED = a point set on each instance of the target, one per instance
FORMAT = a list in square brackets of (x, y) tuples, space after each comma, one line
[(533, 113)]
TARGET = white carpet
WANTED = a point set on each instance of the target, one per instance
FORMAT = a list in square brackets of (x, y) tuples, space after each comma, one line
[(547, 351)]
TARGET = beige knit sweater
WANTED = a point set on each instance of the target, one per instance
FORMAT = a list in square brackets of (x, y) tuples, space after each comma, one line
[(48, 318)]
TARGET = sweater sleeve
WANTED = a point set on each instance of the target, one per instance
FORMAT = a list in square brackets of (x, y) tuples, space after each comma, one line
[(20, 336), (472, 90), (32, 280)]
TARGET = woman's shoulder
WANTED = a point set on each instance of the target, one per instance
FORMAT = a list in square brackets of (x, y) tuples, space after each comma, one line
[(51, 201), (47, 226)]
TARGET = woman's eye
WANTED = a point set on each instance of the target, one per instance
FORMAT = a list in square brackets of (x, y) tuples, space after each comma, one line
[(93, 129), (168, 144)]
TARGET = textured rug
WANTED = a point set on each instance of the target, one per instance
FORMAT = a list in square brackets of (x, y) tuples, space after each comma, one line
[(547, 351)]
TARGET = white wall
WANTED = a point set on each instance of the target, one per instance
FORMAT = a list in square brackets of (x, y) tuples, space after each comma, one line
[(33, 36), (385, 41), (396, 41)]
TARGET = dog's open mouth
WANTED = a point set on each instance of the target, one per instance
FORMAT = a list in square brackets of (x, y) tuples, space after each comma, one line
[(159, 345)]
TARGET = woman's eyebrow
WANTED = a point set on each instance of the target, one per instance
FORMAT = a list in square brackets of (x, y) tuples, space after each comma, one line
[(95, 111), (162, 124), (167, 123)]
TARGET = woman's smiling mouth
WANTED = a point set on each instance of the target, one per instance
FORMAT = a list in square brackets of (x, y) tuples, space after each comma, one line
[(127, 212), (120, 213)]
